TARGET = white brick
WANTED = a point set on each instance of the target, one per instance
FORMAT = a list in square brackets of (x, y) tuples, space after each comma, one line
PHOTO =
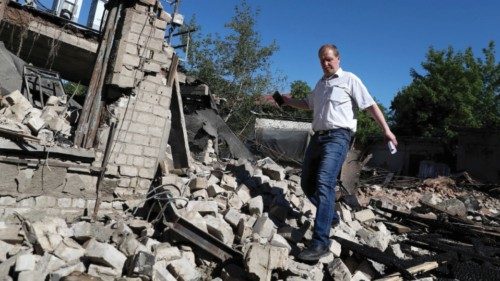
[(128, 171), (133, 149), (105, 253)]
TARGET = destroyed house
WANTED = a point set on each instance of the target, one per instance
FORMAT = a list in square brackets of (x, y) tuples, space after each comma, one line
[(141, 179)]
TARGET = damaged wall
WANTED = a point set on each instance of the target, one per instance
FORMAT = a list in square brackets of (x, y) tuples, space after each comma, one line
[(48, 41), (144, 116), (135, 94), (407, 160), (478, 154)]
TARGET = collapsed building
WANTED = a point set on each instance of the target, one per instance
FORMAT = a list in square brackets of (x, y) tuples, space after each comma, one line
[(142, 179)]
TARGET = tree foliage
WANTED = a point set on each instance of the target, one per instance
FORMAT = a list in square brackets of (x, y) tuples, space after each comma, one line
[(235, 66), (299, 89), (367, 128), (456, 91)]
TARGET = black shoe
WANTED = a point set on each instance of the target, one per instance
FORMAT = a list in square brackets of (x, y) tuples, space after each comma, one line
[(314, 253)]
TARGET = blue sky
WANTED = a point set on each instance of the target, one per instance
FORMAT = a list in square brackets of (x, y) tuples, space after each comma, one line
[(379, 40)]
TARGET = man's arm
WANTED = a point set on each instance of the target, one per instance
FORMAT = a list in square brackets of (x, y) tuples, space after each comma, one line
[(377, 114), (296, 103)]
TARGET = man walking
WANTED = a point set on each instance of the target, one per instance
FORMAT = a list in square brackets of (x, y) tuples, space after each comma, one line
[(335, 100)]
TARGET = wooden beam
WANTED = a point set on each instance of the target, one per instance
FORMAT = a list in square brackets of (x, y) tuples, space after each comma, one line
[(420, 268)]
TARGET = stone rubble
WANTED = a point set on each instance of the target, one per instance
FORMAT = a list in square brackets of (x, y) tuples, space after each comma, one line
[(19, 115), (270, 223)]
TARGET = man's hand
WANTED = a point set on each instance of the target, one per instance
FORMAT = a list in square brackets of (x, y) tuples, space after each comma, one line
[(390, 137)]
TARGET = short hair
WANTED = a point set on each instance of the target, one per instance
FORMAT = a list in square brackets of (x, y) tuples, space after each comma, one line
[(329, 47)]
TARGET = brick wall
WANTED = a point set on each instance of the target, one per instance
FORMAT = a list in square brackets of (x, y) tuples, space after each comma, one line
[(140, 54)]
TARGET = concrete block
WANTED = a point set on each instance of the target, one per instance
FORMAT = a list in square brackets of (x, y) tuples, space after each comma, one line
[(69, 250), (45, 202), (36, 275), (104, 254), (379, 240), (200, 194), (228, 182), (103, 272), (196, 219), (335, 248), (203, 207), (131, 246), (264, 226), (151, 66), (128, 171), (233, 217), (256, 206), (25, 262), (220, 229), (147, 173), (279, 241), (121, 80), (7, 201), (138, 129), (274, 171), (35, 124), (364, 215), (67, 269), (161, 24), (5, 248), (14, 98), (146, 118), (261, 260), (234, 201), (84, 231), (182, 269), (244, 193), (165, 252), (355, 225), (131, 60), (214, 189), (165, 16), (345, 214), (339, 271)]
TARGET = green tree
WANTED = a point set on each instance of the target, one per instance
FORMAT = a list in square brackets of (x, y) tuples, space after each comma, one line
[(235, 67), (457, 90), (367, 128), (299, 89)]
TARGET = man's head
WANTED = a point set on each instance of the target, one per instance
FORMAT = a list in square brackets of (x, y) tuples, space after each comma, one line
[(329, 59)]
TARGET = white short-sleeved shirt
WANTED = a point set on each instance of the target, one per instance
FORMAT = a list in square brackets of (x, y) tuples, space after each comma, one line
[(336, 101)]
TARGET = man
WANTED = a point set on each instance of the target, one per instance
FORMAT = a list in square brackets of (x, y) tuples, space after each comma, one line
[(335, 100)]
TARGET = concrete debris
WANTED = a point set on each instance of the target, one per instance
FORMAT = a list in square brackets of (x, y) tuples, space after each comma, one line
[(16, 112), (256, 209)]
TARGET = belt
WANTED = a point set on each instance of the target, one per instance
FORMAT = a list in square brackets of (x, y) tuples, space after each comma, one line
[(323, 132), (326, 132)]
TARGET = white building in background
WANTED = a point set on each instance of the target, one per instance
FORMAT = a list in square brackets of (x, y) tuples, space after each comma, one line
[(96, 14), (68, 9)]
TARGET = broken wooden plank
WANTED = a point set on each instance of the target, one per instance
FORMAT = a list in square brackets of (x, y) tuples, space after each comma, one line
[(399, 228), (375, 255), (436, 245), (17, 134), (34, 148), (417, 269)]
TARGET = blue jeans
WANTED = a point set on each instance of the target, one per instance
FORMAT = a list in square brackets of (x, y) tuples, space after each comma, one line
[(322, 163)]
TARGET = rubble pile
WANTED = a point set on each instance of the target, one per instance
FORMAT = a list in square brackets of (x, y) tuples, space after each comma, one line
[(441, 191), (20, 119), (240, 221)]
